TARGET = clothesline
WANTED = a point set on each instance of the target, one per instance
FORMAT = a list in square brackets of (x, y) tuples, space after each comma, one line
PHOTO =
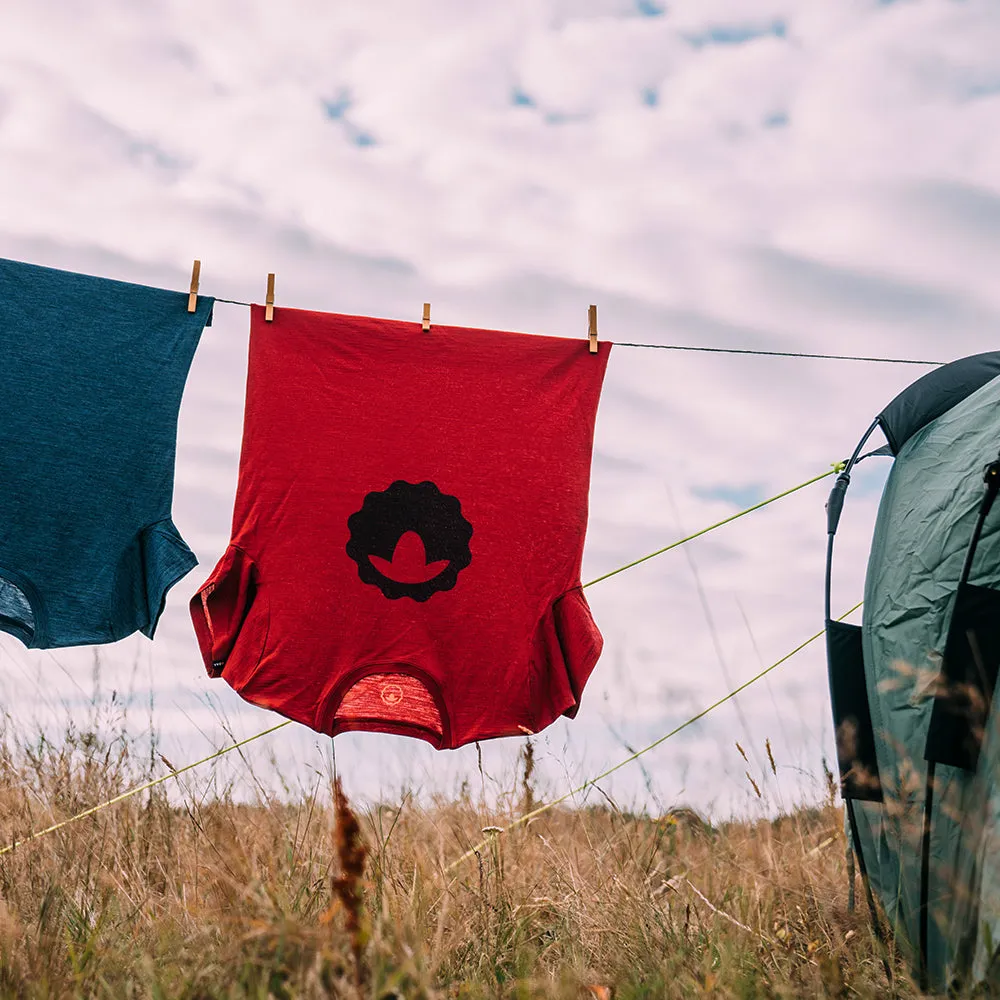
[(785, 354), (129, 793), (734, 350)]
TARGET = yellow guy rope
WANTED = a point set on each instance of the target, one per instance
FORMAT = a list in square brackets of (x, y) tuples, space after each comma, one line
[(621, 569), (527, 817), (141, 788), (718, 524)]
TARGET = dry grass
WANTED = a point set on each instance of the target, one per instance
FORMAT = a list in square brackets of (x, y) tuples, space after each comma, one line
[(214, 898)]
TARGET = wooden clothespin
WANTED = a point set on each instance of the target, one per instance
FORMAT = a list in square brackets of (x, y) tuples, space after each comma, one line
[(426, 327), (193, 294), (592, 328), (269, 301)]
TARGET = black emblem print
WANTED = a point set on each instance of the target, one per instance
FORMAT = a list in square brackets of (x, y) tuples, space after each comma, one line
[(410, 540)]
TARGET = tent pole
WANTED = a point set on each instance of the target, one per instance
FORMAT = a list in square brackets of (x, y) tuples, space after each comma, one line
[(834, 506), (925, 870), (860, 855), (850, 877)]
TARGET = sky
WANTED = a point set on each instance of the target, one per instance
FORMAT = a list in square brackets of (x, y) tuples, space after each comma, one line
[(804, 176)]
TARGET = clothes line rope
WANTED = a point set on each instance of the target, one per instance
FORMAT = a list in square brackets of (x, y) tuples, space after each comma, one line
[(146, 786), (735, 350), (534, 813), (784, 354)]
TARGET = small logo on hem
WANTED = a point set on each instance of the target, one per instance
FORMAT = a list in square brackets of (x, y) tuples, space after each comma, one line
[(392, 694)]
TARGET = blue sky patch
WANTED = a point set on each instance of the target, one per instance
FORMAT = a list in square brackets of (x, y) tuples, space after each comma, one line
[(336, 109), (742, 496), (980, 90), (736, 34), (149, 154), (649, 8), (565, 117)]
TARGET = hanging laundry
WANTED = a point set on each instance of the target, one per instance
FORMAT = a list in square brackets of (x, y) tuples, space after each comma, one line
[(91, 378), (409, 529)]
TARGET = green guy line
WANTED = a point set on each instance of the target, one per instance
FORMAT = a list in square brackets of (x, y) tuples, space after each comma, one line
[(621, 569)]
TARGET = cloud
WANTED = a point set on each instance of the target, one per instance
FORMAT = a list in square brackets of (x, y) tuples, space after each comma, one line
[(799, 176)]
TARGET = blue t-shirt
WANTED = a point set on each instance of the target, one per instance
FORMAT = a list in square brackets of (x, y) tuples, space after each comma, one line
[(91, 377)]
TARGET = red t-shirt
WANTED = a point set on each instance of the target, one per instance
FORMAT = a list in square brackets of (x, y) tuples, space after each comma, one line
[(409, 528)]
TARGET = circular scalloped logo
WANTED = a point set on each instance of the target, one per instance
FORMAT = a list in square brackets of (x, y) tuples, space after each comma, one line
[(410, 540)]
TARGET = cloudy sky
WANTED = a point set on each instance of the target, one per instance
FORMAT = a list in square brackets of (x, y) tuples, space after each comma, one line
[(789, 175)]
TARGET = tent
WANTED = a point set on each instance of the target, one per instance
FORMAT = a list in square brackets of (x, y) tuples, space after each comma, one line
[(918, 741)]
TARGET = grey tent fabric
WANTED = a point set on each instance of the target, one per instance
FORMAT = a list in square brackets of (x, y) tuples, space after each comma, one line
[(927, 514), (936, 393)]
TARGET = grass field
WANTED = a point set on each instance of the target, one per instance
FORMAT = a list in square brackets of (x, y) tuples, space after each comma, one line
[(203, 896)]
